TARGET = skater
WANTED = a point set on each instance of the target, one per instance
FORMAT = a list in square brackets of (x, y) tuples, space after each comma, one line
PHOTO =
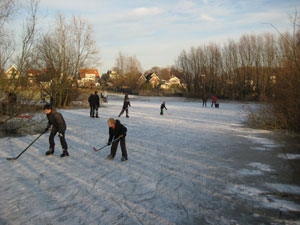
[(125, 107), (90, 99), (58, 124), (96, 104), (214, 100), (116, 130), (105, 96), (126, 96), (4, 103), (12, 100), (162, 107), (204, 100)]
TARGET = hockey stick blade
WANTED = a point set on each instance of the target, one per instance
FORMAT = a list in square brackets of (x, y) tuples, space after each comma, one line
[(11, 158), (95, 149)]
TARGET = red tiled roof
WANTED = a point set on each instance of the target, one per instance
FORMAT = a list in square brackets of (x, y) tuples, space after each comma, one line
[(89, 71), (34, 72)]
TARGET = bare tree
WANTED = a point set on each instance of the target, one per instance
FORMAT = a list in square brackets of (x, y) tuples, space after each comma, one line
[(7, 10), (66, 48), (129, 70)]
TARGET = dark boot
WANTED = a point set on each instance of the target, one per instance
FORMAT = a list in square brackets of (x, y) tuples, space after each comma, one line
[(124, 158), (65, 153), (110, 157), (50, 151)]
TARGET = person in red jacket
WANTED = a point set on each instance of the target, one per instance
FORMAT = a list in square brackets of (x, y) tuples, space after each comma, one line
[(214, 100), (117, 133)]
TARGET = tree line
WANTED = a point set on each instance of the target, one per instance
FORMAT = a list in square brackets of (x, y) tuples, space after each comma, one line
[(59, 49)]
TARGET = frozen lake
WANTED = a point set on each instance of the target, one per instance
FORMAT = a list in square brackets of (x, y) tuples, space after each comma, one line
[(192, 166)]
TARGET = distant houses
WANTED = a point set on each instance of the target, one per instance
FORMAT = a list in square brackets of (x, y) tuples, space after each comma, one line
[(12, 72), (87, 76), (90, 77), (152, 79)]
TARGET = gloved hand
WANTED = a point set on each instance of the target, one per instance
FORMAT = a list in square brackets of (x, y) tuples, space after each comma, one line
[(60, 135), (46, 129), (109, 143)]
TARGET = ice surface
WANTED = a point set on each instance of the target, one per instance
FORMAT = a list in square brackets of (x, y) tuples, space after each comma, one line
[(193, 165)]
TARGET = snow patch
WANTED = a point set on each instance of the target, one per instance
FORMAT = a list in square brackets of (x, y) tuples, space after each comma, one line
[(289, 156), (250, 172), (262, 167), (286, 188)]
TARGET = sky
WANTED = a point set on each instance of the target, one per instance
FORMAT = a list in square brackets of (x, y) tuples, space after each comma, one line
[(157, 31)]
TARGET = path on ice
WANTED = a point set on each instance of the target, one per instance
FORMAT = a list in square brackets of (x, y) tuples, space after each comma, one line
[(193, 165)]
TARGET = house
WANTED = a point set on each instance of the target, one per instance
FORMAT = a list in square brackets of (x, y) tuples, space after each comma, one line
[(172, 82), (88, 76), (152, 79), (112, 74), (142, 79), (12, 72), (32, 74)]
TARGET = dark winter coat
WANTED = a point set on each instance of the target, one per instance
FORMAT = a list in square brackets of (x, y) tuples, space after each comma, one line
[(57, 121), (90, 99), (126, 104), (12, 98), (162, 106), (119, 129), (96, 100)]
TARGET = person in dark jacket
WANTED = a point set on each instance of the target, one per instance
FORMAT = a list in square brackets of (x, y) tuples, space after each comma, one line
[(116, 130), (90, 99), (59, 126), (12, 100), (162, 107), (96, 103), (125, 96), (125, 107), (204, 100)]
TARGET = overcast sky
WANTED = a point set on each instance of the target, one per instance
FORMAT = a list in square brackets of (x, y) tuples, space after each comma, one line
[(156, 31)]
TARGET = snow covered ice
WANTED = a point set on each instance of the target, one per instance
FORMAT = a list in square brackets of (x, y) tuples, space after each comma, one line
[(191, 166)]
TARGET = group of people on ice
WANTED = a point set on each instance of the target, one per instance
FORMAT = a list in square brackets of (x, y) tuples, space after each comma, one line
[(117, 131), (214, 101)]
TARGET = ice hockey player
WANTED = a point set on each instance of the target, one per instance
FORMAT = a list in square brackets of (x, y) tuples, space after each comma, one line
[(125, 107), (58, 124), (162, 107), (116, 130)]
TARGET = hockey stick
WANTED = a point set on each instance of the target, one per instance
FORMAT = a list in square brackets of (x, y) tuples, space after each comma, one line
[(98, 149), (26, 148)]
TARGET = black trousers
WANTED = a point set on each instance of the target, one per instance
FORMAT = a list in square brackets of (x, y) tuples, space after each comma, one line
[(91, 110), (94, 108), (123, 112), (63, 142), (114, 147)]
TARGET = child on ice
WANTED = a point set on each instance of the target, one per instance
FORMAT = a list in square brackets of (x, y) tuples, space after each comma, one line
[(162, 107), (116, 130)]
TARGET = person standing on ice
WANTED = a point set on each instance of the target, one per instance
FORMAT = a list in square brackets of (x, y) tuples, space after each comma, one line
[(126, 104), (214, 100), (90, 99), (162, 107), (204, 100), (96, 103), (59, 126), (116, 131)]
